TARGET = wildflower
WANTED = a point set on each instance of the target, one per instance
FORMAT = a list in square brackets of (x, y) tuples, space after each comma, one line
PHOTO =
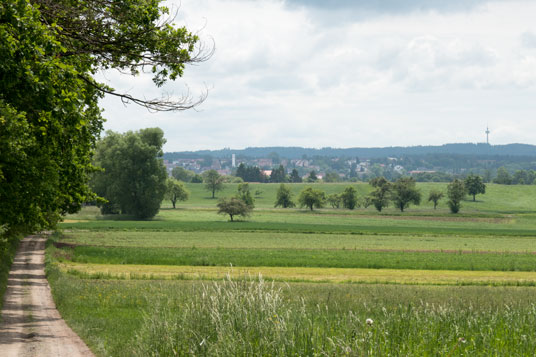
[(369, 322), (461, 340)]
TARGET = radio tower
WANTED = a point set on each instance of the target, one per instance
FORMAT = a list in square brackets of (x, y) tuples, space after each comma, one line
[(487, 135)]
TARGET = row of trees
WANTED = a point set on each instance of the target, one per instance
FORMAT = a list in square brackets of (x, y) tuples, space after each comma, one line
[(401, 193)]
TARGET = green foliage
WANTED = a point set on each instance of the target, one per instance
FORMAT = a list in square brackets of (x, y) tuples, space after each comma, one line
[(404, 192), (197, 179), (244, 194), (284, 197), (381, 196), (181, 174), (233, 207), (503, 177), (176, 191), (435, 196), (278, 175), (48, 122), (134, 177), (332, 177), (312, 177), (49, 115), (250, 173), (213, 181), (8, 246), (295, 176), (455, 193), (334, 200), (474, 185), (311, 198), (349, 198)]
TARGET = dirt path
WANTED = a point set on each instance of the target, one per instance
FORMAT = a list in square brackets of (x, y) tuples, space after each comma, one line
[(31, 325)]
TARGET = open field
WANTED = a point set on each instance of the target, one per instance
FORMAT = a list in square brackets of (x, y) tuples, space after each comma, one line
[(427, 278)]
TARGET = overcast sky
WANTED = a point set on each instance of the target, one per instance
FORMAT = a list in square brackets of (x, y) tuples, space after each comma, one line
[(361, 73)]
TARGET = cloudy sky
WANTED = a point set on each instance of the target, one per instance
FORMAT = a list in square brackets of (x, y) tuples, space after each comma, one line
[(362, 73)]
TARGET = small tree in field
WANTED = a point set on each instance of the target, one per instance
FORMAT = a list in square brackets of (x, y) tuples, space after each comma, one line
[(284, 197), (334, 200), (405, 192), (176, 191), (311, 198), (349, 198), (435, 196), (213, 181), (455, 193), (245, 194), (474, 185), (233, 207), (381, 196)]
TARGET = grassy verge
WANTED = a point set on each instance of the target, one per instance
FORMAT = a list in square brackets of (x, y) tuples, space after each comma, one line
[(300, 258), (125, 318), (8, 247)]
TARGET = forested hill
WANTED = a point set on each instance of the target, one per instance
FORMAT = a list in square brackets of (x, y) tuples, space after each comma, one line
[(395, 151)]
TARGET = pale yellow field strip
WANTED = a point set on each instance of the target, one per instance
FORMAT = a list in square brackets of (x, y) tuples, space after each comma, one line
[(334, 275)]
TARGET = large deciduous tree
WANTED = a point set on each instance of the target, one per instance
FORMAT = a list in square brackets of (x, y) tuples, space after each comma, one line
[(405, 192), (474, 185), (133, 180), (49, 115)]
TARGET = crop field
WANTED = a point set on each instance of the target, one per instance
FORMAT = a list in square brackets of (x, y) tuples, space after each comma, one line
[(296, 282)]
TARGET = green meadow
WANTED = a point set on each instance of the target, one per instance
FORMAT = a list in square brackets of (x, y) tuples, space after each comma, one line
[(159, 287)]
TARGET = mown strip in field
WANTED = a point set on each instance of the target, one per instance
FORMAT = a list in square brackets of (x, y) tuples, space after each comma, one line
[(274, 240), (329, 275), (301, 258), (357, 227)]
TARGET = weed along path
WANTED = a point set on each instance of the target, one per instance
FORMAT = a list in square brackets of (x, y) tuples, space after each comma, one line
[(31, 325)]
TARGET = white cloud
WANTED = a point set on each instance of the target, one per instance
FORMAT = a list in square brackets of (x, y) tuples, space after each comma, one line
[(280, 76)]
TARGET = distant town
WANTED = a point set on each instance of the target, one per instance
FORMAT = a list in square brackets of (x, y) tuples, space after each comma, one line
[(424, 163)]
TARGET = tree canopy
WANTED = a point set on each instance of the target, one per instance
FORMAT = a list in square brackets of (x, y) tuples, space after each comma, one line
[(310, 198), (49, 115), (176, 191), (381, 196), (233, 207), (349, 197), (213, 181), (134, 178), (474, 185), (455, 193), (404, 192), (284, 197)]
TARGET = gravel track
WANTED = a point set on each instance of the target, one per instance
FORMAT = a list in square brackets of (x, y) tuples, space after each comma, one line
[(31, 325)]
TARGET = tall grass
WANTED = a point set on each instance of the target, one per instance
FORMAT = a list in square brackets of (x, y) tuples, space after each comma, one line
[(8, 247), (250, 317)]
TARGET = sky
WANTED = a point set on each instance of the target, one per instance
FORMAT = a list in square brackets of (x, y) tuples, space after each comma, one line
[(361, 73)]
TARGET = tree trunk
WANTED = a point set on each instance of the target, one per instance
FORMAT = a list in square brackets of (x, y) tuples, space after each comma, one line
[(474, 197), (213, 191), (231, 217)]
